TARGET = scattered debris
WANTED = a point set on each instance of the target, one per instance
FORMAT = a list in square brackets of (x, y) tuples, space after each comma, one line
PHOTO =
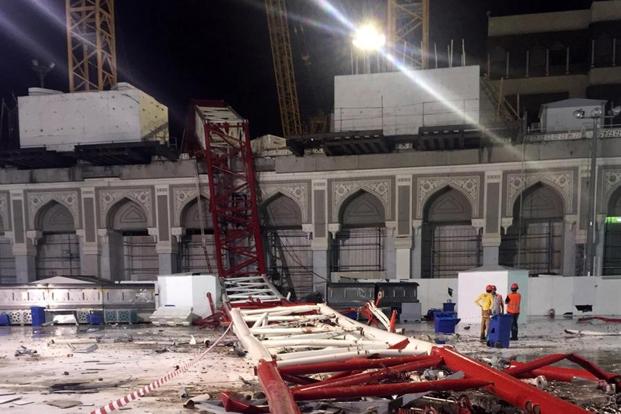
[(64, 404), (22, 402), (86, 350), (591, 333), (183, 393), (22, 350), (4, 400), (192, 340)]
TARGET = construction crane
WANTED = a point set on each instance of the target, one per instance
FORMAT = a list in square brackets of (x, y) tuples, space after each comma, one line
[(91, 44), (282, 57), (408, 24)]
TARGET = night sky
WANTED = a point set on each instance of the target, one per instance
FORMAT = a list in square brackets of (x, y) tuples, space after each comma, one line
[(219, 49)]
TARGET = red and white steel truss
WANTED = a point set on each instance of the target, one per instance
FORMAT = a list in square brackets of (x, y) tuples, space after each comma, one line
[(312, 352)]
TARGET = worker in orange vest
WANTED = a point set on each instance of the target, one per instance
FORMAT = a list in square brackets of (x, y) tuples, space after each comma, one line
[(485, 303), (513, 301)]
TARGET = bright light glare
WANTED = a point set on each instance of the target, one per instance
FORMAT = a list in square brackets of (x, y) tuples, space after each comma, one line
[(368, 38)]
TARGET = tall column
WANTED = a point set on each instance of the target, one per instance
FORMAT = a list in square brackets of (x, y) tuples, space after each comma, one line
[(89, 245), (569, 245), (580, 233), (417, 251), (492, 218), (599, 248), (390, 251), (24, 249), (403, 230), (112, 262), (166, 249), (321, 236)]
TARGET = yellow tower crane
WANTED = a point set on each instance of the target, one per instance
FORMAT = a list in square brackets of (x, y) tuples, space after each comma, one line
[(91, 44)]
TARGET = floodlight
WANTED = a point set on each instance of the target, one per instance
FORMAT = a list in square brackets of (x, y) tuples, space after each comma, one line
[(368, 38), (579, 113), (596, 112)]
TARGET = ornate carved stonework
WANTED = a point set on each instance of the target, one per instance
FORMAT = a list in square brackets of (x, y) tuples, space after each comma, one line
[(182, 196), (611, 181), (381, 188), (297, 191), (4, 211), (469, 186), (562, 181), (68, 198), (110, 196)]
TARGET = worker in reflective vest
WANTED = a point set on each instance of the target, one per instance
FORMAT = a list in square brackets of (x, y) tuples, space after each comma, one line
[(485, 303), (513, 302)]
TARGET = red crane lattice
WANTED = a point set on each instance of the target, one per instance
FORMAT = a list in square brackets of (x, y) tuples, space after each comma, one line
[(225, 147)]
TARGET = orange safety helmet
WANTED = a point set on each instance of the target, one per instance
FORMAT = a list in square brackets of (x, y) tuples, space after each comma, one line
[(514, 286)]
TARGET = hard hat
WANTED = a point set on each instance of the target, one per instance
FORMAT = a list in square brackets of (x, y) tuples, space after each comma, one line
[(489, 287), (514, 286)]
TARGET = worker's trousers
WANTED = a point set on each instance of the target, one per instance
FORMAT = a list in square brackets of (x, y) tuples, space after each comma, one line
[(514, 326), (485, 315)]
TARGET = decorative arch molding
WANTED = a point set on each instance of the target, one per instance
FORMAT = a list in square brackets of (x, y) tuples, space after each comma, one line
[(468, 185), (611, 182), (190, 215), (182, 195), (5, 213), (362, 208), (36, 200), (280, 210), (299, 192), (126, 214), (561, 181), (55, 217), (341, 190), (109, 197)]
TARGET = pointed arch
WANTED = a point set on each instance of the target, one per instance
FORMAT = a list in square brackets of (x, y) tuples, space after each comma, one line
[(281, 211), (539, 201), (190, 217), (127, 215), (54, 217), (362, 209), (614, 203), (447, 205)]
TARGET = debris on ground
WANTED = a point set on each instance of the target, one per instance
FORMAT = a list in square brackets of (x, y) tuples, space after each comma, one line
[(7, 399), (64, 404), (22, 350), (86, 350)]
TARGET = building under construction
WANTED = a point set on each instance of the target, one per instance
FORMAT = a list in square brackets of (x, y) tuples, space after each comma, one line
[(423, 175)]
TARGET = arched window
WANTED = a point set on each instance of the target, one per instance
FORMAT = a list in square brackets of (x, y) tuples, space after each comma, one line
[(289, 256), (534, 241), (58, 250), (449, 242), (612, 241), (132, 249), (197, 248), (358, 248)]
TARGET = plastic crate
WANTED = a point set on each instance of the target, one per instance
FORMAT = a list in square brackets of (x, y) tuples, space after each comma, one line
[(448, 307), (445, 325), (499, 332)]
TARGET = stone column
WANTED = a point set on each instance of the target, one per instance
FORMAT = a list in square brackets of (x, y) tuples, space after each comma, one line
[(89, 245), (403, 230), (23, 248), (390, 251), (492, 217), (417, 251), (600, 246), (111, 264), (166, 248), (569, 245), (320, 243)]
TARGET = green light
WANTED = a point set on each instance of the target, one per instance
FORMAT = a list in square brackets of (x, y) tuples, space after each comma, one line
[(613, 220)]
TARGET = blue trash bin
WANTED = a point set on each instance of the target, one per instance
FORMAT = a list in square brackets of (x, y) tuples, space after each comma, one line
[(95, 318), (38, 315), (499, 331), (4, 319), (448, 307), (445, 324)]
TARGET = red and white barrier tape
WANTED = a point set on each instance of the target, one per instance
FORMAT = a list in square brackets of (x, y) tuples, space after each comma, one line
[(121, 402)]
